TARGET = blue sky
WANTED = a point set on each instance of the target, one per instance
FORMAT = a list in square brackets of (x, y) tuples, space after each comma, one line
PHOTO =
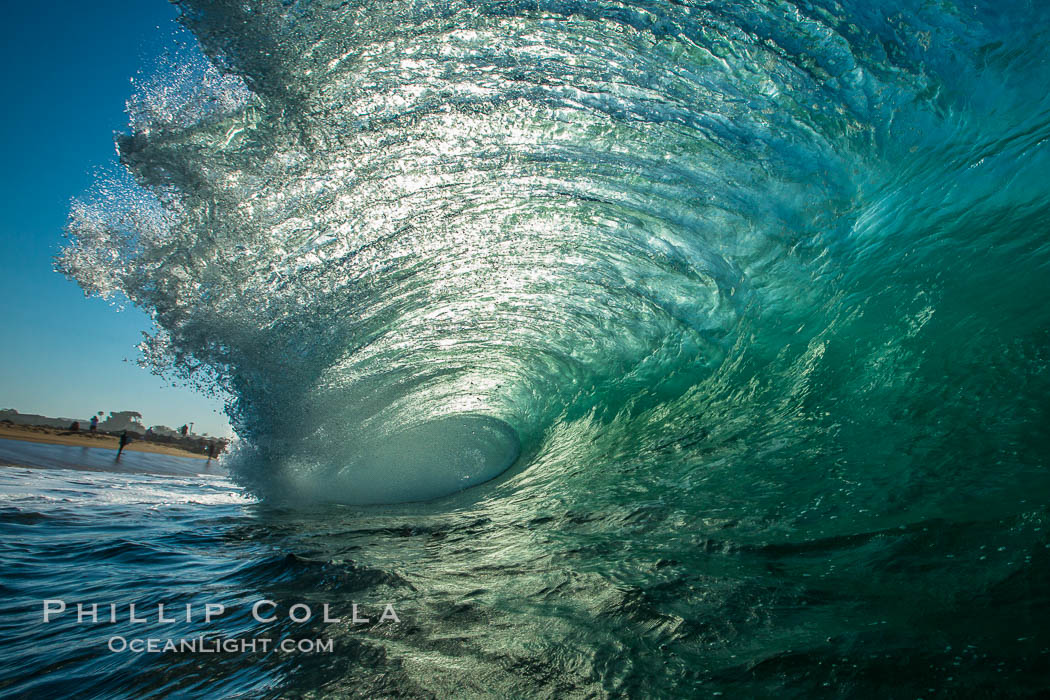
[(68, 70)]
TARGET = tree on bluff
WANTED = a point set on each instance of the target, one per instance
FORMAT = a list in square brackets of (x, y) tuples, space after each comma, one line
[(123, 420)]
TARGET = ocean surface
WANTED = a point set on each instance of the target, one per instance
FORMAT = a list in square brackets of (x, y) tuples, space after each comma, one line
[(635, 348)]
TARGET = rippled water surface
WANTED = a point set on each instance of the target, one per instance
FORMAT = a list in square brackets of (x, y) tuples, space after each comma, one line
[(640, 600)]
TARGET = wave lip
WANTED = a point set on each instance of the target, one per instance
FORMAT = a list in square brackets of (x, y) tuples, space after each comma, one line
[(423, 462)]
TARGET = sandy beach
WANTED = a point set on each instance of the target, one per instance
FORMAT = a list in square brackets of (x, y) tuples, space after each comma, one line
[(56, 436)]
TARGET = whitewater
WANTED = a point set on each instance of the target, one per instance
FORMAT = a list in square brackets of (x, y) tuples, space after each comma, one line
[(638, 348)]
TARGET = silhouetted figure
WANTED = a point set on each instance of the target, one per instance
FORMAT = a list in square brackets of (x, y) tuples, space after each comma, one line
[(124, 440), (94, 423), (185, 429), (212, 450)]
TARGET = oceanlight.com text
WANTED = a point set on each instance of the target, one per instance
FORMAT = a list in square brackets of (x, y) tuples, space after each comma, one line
[(201, 645)]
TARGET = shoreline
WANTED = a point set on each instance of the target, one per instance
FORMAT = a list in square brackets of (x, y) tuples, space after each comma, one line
[(55, 436)]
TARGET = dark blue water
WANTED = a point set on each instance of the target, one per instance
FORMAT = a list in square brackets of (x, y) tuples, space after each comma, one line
[(92, 536), (492, 605)]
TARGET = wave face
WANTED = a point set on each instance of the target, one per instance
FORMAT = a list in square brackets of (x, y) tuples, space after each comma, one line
[(791, 255)]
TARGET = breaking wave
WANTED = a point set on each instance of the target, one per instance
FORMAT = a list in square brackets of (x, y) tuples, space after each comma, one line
[(793, 253)]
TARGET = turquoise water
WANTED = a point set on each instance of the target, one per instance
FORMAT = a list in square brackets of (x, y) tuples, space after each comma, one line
[(749, 297)]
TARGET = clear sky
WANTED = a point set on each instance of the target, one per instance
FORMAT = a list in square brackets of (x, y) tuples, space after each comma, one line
[(68, 69)]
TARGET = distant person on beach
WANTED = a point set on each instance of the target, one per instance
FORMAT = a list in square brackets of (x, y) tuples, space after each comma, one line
[(94, 423), (124, 440), (211, 451)]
